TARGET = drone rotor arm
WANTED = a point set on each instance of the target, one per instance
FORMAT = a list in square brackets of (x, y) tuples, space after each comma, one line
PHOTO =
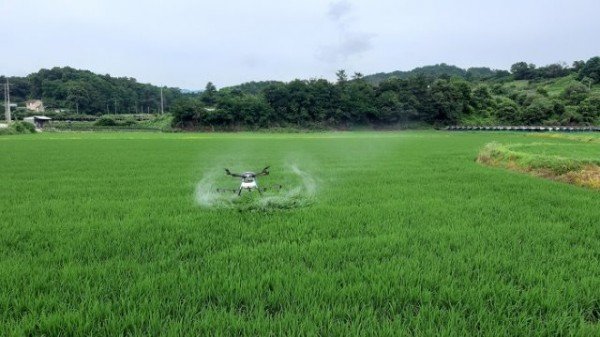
[(264, 172), (232, 174)]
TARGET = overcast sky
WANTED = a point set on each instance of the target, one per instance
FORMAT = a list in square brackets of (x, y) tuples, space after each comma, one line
[(185, 43)]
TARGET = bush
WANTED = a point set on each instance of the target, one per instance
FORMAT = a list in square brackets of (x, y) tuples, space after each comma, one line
[(575, 93), (18, 128), (507, 111), (7, 131), (591, 69), (106, 121), (127, 122), (23, 127), (187, 113), (589, 110), (537, 111)]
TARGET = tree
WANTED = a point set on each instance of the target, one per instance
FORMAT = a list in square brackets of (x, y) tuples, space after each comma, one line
[(450, 100), (78, 97), (539, 110), (523, 71), (591, 69), (589, 110), (575, 93), (357, 76), (187, 113), (577, 66), (552, 71), (342, 77), (479, 73), (507, 111), (481, 98), (209, 96)]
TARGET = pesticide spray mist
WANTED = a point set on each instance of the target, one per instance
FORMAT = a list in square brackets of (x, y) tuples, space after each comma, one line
[(299, 190), (206, 192)]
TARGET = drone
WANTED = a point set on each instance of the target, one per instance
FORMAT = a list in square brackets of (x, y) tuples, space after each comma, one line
[(248, 182)]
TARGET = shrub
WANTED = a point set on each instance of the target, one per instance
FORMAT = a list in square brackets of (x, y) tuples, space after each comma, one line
[(589, 109), (18, 128), (575, 93), (539, 110), (106, 121), (507, 111), (23, 127)]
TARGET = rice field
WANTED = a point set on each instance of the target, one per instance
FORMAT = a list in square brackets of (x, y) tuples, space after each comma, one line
[(372, 234)]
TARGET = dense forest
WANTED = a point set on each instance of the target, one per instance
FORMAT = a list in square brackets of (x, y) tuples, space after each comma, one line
[(88, 93), (436, 95), (442, 94)]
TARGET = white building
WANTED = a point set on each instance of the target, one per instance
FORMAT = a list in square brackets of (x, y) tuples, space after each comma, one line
[(35, 105)]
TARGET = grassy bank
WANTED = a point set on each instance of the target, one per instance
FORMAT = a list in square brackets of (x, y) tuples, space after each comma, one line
[(583, 170)]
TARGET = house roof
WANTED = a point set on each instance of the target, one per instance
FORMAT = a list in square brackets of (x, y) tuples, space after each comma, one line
[(42, 118)]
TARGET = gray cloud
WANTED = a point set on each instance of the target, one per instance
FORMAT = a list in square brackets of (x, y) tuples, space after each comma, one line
[(338, 9), (190, 42), (350, 42)]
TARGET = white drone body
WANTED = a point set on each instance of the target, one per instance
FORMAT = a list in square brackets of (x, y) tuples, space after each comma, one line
[(249, 181)]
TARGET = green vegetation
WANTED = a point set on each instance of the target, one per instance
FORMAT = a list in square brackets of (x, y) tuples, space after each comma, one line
[(109, 234), (592, 137), (436, 95), (16, 128), (120, 122), (569, 162), (87, 93)]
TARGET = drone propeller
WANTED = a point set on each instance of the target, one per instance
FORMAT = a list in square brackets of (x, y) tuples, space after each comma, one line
[(232, 174), (265, 171)]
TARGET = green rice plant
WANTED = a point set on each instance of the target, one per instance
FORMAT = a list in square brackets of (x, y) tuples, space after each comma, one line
[(403, 234)]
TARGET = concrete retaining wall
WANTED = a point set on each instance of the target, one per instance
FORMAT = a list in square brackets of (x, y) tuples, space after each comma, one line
[(525, 128)]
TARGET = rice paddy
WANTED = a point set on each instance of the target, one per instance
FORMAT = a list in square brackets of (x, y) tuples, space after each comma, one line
[(382, 234)]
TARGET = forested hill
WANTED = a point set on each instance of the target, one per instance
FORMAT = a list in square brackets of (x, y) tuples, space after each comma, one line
[(89, 93), (441, 94), (555, 94), (437, 71)]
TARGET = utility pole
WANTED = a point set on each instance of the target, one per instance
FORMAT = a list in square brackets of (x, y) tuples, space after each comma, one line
[(7, 102), (115, 106), (162, 102)]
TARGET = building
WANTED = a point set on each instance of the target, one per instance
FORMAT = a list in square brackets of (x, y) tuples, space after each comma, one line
[(38, 121), (35, 105)]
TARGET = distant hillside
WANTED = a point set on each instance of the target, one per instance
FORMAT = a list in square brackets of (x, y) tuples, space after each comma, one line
[(436, 71), (87, 92), (442, 94)]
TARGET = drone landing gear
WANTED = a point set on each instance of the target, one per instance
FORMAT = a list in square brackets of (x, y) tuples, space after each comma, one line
[(260, 190), (272, 188)]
